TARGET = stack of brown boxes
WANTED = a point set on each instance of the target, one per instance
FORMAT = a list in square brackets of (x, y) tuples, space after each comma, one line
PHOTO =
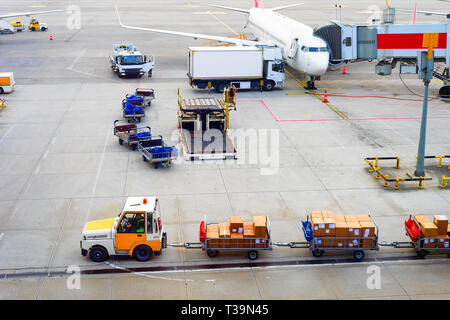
[(239, 234), (443, 238), (212, 233), (342, 231), (429, 231)]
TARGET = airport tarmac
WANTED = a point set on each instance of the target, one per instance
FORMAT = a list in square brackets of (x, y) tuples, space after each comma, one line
[(61, 165)]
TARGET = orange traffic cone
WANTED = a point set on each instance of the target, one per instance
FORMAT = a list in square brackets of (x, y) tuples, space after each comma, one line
[(51, 36), (344, 71), (325, 99)]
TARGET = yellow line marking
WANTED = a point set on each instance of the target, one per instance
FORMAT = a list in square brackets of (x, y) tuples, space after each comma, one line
[(223, 23), (38, 6), (318, 96), (208, 12)]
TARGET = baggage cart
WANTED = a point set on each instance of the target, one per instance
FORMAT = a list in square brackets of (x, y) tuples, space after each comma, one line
[(132, 113), (156, 152), (131, 134)]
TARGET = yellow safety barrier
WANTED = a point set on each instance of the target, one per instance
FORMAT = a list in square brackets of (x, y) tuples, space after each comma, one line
[(440, 157), (2, 104), (444, 178)]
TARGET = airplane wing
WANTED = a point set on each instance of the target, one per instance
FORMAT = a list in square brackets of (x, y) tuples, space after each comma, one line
[(28, 13), (227, 8), (427, 13), (285, 7), (195, 35)]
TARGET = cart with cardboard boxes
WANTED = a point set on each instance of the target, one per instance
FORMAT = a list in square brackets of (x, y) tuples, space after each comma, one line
[(233, 235), (426, 235), (325, 230)]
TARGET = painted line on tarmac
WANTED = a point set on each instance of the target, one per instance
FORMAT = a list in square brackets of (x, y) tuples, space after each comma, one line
[(147, 275), (223, 23), (6, 133), (1, 236)]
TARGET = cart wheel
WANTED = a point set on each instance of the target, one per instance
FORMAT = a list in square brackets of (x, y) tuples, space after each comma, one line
[(212, 253), (253, 255), (359, 255), (422, 253), (133, 147), (143, 157), (120, 141), (149, 103), (317, 253), (156, 165)]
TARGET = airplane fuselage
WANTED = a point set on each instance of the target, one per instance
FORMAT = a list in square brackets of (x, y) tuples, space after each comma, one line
[(301, 49)]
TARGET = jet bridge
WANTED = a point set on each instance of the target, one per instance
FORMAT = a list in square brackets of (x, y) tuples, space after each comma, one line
[(389, 43)]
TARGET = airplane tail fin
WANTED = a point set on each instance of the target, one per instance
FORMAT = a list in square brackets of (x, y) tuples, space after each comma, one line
[(259, 4)]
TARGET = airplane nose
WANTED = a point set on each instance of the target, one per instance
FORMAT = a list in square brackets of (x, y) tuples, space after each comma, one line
[(317, 65)]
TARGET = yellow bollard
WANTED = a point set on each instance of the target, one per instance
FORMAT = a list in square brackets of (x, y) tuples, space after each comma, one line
[(386, 183), (443, 182), (398, 163), (370, 166), (378, 173), (440, 161), (376, 163), (420, 183), (2, 104), (448, 165), (397, 183)]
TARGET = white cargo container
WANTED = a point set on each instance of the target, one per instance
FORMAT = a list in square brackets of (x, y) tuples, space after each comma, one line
[(243, 67), (7, 83)]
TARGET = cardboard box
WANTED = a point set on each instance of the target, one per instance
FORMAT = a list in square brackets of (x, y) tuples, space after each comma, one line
[(354, 229), (249, 232), (261, 243), (237, 240), (354, 243), (430, 243), (315, 214), (327, 214), (212, 228), (349, 218), (339, 218), (318, 227), (429, 230), (448, 230), (442, 223), (236, 225), (330, 227), (363, 217), (443, 242), (341, 234), (368, 243), (212, 237), (421, 218), (224, 234), (367, 229), (323, 242), (260, 226)]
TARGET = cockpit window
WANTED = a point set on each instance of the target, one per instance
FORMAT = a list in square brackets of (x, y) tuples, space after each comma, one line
[(314, 49)]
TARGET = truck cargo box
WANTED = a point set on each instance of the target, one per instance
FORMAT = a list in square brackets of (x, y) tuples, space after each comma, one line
[(225, 63)]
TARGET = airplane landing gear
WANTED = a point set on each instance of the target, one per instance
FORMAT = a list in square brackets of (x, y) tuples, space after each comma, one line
[(310, 85)]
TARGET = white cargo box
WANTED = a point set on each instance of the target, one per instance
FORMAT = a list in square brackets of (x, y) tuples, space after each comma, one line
[(225, 62)]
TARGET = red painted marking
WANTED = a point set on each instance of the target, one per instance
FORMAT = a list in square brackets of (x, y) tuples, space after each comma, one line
[(407, 41), (259, 4)]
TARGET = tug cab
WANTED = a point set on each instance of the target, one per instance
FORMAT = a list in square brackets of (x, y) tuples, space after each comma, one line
[(137, 232), (35, 25)]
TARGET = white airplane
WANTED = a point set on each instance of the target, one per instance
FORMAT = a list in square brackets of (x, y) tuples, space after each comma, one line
[(5, 25), (302, 50)]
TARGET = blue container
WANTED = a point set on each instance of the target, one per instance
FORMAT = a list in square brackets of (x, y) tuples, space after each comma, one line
[(307, 231)]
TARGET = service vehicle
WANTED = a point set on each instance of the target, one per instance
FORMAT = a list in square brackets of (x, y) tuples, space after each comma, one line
[(248, 67), (35, 25), (137, 232), (18, 26), (7, 82), (131, 134), (127, 60)]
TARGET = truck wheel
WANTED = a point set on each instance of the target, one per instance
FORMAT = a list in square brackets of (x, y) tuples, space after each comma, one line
[(268, 85), (43, 28), (317, 253), (359, 255), (212, 253), (220, 87), (1, 90), (98, 254), (33, 29), (142, 253), (253, 255)]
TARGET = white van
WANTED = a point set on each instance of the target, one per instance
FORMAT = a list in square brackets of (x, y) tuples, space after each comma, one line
[(7, 83)]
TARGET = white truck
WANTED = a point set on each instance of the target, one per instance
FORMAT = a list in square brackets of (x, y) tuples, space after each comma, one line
[(127, 60), (7, 82), (245, 67)]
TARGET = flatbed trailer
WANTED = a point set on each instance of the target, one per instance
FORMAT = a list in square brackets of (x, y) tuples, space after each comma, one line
[(131, 134), (212, 246), (156, 152), (317, 248), (422, 245)]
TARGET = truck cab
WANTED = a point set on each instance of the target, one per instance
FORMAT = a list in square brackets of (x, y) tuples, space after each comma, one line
[(137, 232), (35, 25), (127, 60)]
